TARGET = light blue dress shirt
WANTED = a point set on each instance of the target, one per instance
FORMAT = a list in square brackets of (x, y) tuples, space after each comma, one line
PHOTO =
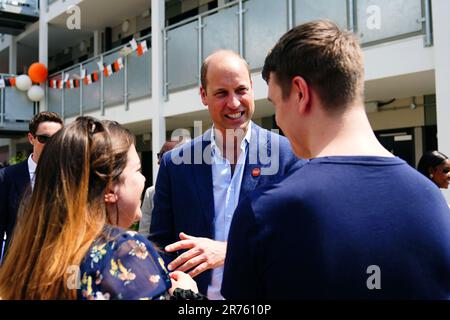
[(226, 189)]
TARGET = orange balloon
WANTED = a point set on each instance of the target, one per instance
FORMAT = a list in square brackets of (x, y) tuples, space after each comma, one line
[(38, 72)]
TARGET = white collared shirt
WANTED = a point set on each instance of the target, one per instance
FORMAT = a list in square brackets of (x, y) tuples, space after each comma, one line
[(31, 169), (226, 189)]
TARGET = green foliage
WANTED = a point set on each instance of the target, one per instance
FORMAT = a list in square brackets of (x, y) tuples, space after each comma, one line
[(18, 158)]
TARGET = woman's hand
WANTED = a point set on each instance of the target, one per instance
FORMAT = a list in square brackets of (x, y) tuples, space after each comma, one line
[(183, 281)]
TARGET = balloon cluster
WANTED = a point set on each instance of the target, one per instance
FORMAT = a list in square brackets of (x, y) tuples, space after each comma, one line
[(37, 73)]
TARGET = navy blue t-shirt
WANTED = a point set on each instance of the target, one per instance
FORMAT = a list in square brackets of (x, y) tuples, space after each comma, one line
[(341, 227)]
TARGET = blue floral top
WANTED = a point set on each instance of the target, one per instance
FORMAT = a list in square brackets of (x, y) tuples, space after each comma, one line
[(124, 267)]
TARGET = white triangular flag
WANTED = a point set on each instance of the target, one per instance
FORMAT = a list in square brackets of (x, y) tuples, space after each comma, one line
[(133, 44), (101, 67)]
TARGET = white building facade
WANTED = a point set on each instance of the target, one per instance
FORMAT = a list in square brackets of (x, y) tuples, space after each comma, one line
[(406, 46)]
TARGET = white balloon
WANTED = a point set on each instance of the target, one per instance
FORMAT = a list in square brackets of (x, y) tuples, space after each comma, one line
[(23, 82), (36, 93)]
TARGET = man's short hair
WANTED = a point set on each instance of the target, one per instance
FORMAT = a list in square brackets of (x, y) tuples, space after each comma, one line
[(328, 59), (44, 116), (204, 67)]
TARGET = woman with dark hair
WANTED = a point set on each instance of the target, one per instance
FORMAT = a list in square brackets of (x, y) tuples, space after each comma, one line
[(72, 240), (436, 166)]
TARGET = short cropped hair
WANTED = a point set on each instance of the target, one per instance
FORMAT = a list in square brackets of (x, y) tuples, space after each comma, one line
[(330, 61), (204, 67), (44, 116)]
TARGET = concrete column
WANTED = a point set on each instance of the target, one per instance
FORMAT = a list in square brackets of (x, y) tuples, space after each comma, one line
[(97, 43), (158, 120), (13, 56), (12, 148), (418, 143), (441, 28), (43, 44)]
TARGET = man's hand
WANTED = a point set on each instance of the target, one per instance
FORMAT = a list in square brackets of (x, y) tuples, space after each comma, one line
[(203, 254)]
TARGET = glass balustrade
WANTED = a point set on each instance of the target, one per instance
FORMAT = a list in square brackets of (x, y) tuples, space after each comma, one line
[(111, 90), (15, 107), (263, 22)]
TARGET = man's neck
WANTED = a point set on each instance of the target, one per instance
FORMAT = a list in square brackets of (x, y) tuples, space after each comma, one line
[(349, 134), (33, 157), (229, 142)]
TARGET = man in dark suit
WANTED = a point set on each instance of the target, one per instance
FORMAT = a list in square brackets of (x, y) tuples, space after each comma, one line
[(355, 222), (200, 183), (15, 179)]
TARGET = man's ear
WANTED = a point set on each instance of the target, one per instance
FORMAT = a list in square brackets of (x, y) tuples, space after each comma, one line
[(301, 90), (30, 138), (203, 96)]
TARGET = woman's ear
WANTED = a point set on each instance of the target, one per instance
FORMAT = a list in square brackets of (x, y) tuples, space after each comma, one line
[(431, 172), (110, 196)]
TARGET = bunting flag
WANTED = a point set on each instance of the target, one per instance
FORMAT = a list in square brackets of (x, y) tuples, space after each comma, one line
[(72, 83), (9, 82), (91, 78), (107, 70), (94, 76), (142, 48), (101, 67), (133, 44), (117, 65), (88, 79), (60, 84)]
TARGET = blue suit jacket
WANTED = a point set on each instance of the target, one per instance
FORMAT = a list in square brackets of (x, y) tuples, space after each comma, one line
[(13, 182), (184, 200)]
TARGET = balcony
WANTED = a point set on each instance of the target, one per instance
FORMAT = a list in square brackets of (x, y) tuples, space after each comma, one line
[(16, 14), (132, 82), (250, 27), (16, 110)]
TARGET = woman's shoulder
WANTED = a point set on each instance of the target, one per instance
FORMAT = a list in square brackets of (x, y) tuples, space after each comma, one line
[(126, 264), (121, 242)]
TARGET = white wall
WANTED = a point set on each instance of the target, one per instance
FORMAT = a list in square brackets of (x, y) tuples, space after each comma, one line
[(441, 27), (398, 57)]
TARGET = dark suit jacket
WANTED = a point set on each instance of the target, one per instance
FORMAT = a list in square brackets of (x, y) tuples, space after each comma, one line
[(13, 182), (184, 200)]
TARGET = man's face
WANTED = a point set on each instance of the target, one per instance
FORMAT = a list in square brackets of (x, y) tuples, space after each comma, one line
[(229, 93), (44, 131), (286, 116)]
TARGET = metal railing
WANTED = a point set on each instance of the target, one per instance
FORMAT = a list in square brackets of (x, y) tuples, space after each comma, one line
[(252, 27), (22, 6), (16, 110), (132, 82)]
